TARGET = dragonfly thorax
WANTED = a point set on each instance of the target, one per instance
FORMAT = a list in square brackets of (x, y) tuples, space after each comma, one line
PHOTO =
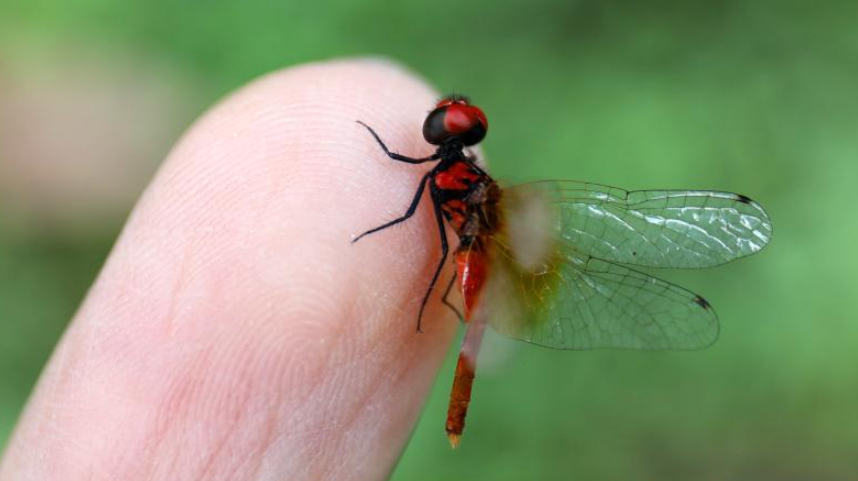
[(468, 198)]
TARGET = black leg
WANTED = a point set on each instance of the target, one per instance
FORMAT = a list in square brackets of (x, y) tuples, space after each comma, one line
[(411, 209), (394, 155), (447, 303), (444, 249)]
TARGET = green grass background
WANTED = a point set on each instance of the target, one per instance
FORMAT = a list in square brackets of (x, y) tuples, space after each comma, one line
[(754, 97)]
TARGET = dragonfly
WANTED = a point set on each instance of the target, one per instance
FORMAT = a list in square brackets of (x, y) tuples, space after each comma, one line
[(552, 262)]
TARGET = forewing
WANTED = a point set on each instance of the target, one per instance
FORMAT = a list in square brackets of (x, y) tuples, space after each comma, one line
[(654, 228)]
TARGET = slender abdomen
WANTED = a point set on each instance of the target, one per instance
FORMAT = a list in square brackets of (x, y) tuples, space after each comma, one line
[(472, 270)]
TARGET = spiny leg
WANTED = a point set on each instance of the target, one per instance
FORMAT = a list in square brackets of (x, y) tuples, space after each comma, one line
[(444, 250), (411, 209), (394, 155), (447, 303)]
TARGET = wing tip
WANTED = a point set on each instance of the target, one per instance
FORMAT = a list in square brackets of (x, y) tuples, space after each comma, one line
[(744, 199), (702, 303)]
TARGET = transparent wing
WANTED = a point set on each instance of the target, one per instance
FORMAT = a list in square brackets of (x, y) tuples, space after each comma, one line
[(548, 286), (655, 228), (575, 301)]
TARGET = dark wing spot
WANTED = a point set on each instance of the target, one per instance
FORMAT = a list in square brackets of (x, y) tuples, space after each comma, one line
[(634, 253), (743, 199), (702, 302)]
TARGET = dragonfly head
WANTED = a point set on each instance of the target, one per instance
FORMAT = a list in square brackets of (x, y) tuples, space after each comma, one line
[(454, 119)]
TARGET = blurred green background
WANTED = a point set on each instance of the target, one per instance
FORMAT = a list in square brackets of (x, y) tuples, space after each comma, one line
[(753, 97)]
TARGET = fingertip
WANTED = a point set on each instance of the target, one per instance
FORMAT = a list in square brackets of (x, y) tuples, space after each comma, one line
[(237, 291)]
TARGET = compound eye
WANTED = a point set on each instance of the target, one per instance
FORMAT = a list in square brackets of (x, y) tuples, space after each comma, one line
[(461, 118), (466, 122), (455, 119)]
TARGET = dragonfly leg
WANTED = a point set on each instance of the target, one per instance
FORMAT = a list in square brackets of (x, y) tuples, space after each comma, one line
[(447, 302), (411, 209), (444, 250), (394, 155)]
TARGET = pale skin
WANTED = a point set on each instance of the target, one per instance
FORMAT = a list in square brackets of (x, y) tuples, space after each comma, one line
[(235, 333)]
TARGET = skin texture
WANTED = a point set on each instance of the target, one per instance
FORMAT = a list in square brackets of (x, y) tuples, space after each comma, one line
[(235, 333)]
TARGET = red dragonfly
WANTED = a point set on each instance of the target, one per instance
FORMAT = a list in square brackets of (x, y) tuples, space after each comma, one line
[(543, 262)]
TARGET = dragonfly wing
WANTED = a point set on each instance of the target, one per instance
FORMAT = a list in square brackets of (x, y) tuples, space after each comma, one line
[(654, 228), (579, 302)]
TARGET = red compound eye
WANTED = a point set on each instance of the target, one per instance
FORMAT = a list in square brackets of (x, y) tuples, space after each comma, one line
[(455, 119), (461, 118)]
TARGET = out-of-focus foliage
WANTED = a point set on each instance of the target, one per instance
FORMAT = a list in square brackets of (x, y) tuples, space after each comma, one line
[(753, 97)]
